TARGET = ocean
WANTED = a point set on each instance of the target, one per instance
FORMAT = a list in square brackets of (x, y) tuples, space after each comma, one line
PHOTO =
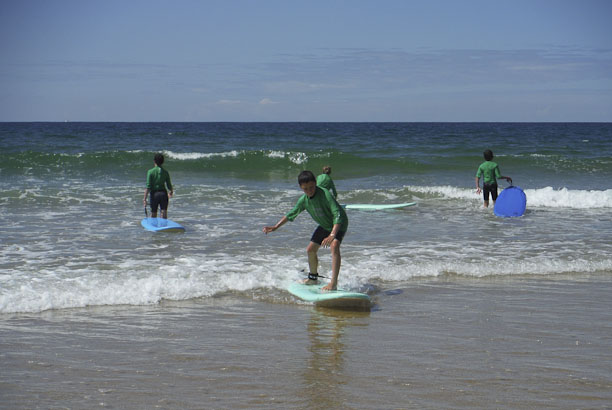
[(77, 268)]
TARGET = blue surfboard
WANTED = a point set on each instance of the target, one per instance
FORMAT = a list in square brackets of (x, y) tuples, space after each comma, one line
[(511, 202), (161, 225)]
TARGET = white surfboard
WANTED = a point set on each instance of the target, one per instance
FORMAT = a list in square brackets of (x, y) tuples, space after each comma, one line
[(378, 207)]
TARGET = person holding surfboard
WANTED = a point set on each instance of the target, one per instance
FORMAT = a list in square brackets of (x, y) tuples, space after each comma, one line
[(324, 180), (158, 180), (332, 220), (489, 171)]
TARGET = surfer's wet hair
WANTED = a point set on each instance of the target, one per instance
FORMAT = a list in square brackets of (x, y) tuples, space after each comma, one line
[(488, 155), (327, 169), (158, 159), (305, 177)]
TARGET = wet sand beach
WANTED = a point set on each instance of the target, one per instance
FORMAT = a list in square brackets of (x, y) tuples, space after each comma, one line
[(450, 342)]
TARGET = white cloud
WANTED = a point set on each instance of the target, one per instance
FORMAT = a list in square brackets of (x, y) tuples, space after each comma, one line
[(267, 101)]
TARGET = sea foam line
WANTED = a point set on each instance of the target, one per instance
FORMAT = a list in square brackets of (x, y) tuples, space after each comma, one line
[(183, 156), (297, 158), (566, 198), (547, 197), (193, 278)]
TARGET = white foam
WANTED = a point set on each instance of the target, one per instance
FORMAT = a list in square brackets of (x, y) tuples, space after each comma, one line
[(298, 158), (184, 156), (566, 198), (547, 197), (295, 157), (131, 284), (405, 263), (84, 283), (276, 154), (446, 191)]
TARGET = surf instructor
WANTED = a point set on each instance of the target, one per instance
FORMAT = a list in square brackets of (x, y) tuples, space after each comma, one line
[(332, 220), (158, 180)]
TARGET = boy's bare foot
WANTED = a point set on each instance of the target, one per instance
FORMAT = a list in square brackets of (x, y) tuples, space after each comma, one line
[(310, 282), (329, 287)]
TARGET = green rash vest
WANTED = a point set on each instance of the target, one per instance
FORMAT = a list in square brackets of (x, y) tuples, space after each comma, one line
[(323, 208), (489, 170), (325, 181), (157, 179)]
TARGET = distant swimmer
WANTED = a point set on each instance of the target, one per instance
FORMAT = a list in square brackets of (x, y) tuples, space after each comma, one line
[(489, 171), (332, 220), (158, 185), (324, 180)]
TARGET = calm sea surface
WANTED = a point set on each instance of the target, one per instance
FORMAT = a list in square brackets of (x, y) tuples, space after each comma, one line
[(95, 311)]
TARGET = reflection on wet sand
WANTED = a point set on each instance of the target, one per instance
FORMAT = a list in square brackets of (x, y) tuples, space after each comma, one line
[(325, 370)]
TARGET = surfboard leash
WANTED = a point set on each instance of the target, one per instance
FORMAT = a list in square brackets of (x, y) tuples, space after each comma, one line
[(314, 276)]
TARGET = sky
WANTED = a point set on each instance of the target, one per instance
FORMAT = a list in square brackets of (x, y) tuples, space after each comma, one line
[(315, 60)]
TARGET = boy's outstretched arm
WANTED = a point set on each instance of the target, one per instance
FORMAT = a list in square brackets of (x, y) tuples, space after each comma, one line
[(478, 190), (268, 229)]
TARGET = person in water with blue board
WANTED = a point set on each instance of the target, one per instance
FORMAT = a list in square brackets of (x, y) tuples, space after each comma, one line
[(489, 171), (332, 220), (158, 185), (324, 180)]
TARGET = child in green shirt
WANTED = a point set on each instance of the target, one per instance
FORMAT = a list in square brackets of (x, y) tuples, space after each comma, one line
[(158, 179), (332, 220), (324, 181), (489, 171)]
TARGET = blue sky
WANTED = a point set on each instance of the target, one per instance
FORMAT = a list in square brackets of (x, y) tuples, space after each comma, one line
[(258, 60)]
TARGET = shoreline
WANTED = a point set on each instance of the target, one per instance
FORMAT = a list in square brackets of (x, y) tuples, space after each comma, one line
[(452, 342)]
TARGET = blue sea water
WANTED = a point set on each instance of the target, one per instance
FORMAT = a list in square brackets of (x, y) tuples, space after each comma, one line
[(70, 233)]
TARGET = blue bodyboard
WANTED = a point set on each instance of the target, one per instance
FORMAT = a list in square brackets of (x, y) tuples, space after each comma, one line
[(161, 225), (511, 202)]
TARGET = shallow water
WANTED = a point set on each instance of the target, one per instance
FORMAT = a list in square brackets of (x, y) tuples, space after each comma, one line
[(70, 231)]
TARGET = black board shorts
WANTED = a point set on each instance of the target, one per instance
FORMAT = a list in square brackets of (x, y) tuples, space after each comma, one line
[(489, 188), (320, 233), (159, 199)]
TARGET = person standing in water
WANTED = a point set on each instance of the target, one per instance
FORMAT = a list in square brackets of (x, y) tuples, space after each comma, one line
[(158, 185), (489, 171), (332, 220), (324, 181)]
